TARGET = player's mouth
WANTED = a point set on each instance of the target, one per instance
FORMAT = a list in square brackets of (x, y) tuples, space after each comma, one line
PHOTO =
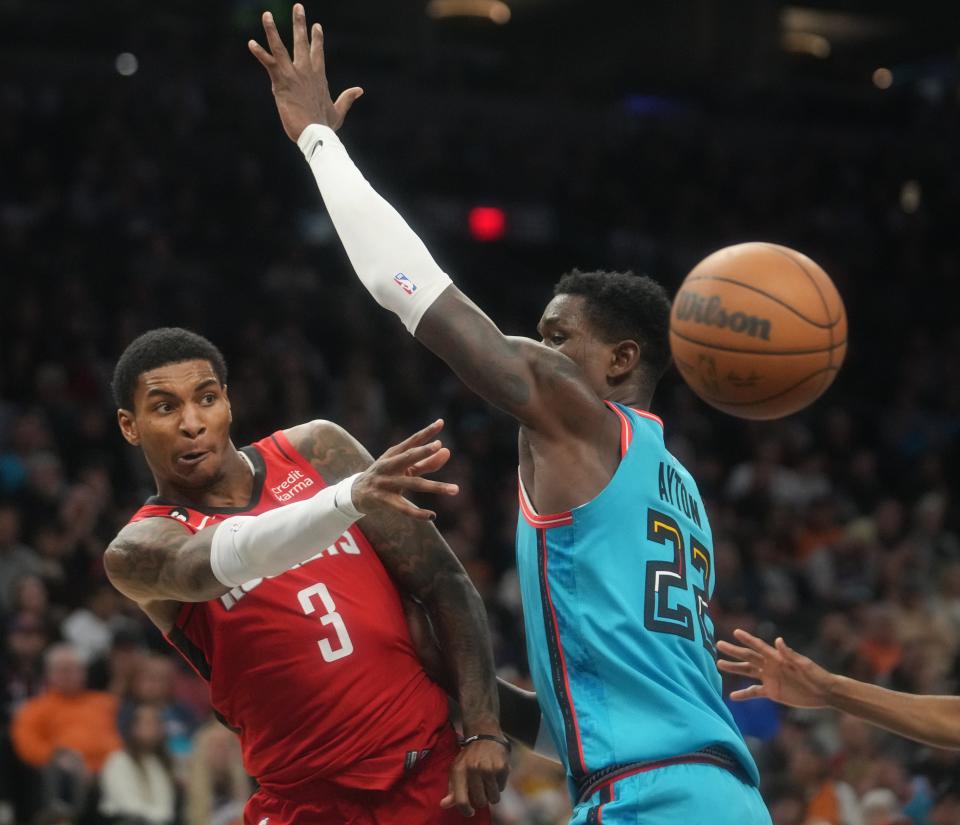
[(193, 458)]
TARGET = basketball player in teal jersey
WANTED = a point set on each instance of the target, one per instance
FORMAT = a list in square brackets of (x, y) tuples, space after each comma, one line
[(614, 549)]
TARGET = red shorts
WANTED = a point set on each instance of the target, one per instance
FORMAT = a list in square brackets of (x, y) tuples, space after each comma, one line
[(414, 800)]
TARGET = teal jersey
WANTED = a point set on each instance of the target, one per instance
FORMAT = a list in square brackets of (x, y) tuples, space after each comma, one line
[(615, 603)]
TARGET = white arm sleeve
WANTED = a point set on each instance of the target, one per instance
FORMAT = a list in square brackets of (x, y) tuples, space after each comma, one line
[(253, 547), (386, 254)]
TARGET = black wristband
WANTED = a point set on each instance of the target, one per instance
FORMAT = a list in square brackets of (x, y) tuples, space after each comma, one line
[(486, 737)]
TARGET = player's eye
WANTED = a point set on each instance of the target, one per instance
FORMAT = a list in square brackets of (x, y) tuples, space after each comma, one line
[(557, 338), (164, 407), (209, 398)]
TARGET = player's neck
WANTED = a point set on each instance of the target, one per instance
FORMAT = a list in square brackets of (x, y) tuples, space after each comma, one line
[(232, 487), (631, 395)]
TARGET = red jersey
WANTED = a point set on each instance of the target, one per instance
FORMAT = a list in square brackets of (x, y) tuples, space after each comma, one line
[(314, 667)]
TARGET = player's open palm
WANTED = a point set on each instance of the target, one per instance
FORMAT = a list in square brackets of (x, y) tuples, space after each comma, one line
[(784, 675), (399, 471), (299, 83)]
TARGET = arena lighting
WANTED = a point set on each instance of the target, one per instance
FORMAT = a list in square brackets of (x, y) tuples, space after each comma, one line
[(126, 64), (910, 196), (840, 27), (487, 223), (495, 10), (883, 78), (806, 43)]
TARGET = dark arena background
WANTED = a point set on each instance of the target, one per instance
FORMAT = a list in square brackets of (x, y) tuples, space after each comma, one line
[(145, 180)]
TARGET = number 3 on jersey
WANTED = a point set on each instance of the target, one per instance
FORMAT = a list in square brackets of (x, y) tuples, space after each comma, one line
[(662, 577), (330, 617)]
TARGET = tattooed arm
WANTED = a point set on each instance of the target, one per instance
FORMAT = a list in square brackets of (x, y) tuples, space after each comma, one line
[(520, 714), (159, 559), (423, 566)]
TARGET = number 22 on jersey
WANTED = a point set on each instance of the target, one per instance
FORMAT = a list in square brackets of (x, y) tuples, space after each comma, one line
[(664, 576)]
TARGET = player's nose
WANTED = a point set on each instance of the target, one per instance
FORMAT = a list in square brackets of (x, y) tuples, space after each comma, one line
[(192, 422)]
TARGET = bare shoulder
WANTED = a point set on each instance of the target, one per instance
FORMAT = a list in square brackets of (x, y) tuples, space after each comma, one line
[(330, 449), (139, 550), (133, 562)]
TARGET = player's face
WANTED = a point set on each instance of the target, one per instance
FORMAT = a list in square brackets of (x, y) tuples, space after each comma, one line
[(181, 419), (565, 328)]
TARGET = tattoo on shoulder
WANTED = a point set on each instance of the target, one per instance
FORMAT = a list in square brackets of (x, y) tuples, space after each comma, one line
[(413, 552), (137, 559), (330, 449)]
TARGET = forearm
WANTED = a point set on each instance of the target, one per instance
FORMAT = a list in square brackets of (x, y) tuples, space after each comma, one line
[(397, 269), (159, 560), (388, 257), (460, 622), (933, 720)]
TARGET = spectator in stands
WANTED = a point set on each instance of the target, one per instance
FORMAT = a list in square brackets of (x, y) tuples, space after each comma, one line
[(946, 807), (217, 787), (90, 628), (21, 663), (56, 814), (786, 803), (137, 785), (828, 800), (152, 684), (21, 678), (67, 731), (881, 807), (16, 559)]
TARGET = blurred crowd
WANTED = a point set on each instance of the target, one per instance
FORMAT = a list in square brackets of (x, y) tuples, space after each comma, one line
[(176, 200)]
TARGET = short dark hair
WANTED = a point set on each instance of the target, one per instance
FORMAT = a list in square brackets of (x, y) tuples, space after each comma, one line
[(157, 348), (622, 306)]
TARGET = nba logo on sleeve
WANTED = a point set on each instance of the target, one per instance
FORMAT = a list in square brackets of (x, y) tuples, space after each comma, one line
[(405, 283)]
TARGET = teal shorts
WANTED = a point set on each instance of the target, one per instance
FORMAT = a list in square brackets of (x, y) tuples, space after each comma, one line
[(688, 794)]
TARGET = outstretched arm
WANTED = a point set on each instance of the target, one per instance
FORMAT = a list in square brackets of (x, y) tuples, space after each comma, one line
[(423, 566), (792, 679), (158, 559), (540, 387)]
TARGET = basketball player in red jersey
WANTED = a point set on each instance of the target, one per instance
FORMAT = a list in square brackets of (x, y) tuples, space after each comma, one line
[(275, 571)]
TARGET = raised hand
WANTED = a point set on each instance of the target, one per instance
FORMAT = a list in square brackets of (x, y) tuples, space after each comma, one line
[(784, 675), (299, 85), (399, 470)]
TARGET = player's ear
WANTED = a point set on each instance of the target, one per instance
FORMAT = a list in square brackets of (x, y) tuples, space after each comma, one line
[(623, 358), (128, 427)]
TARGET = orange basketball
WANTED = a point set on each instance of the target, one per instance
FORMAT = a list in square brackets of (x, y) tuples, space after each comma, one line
[(758, 330)]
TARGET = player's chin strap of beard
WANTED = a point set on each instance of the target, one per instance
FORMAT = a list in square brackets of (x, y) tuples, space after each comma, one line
[(386, 254)]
